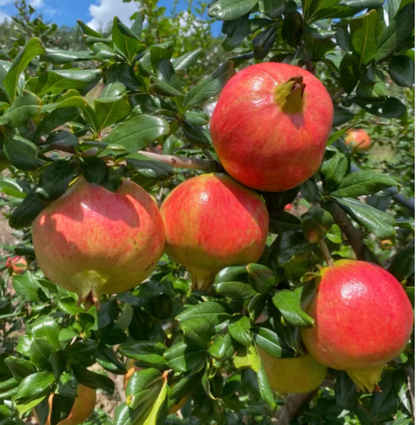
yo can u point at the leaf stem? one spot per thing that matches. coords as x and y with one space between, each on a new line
326 253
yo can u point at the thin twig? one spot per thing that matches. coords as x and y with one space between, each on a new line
292 406
181 161
326 253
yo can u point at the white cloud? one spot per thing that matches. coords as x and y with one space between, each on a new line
36 3
104 12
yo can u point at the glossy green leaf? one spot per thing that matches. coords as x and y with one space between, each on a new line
28 287
93 380
61 408
375 221
334 234
363 36
126 40
182 358
22 153
81 352
24 107
349 72
272 343
341 116
185 61
55 179
402 70
272 8
288 303
34 385
334 170
261 278
211 86
266 392
226 10
213 312
110 110
32 49
197 332
239 330
20 368
289 244
39 353
310 191
247 357
46 328
316 223
59 56
403 264
363 183
138 132
148 353
346 393
94 170
222 347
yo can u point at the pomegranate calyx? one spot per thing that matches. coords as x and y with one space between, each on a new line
289 95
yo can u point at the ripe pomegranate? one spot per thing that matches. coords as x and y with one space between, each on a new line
293 375
212 222
16 264
92 241
270 126
358 140
81 410
363 319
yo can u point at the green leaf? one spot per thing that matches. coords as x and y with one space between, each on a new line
402 70
28 287
46 328
214 313
310 191
391 108
341 115
222 347
126 40
27 211
59 56
31 49
94 170
363 183
261 278
197 332
316 223
247 357
233 282
147 353
343 38
375 221
81 352
103 52
39 353
24 107
55 179
272 8
289 244
34 386
349 72
20 368
399 30
403 264
346 393
363 36
288 303
93 380
264 388
334 234
137 26
211 86
185 61
227 10
272 343
61 408
138 132
110 110
239 330
182 358
22 153
372 87
334 170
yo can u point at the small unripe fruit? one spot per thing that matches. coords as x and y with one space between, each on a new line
271 125
16 265
92 241
293 375
212 222
363 319
288 207
358 140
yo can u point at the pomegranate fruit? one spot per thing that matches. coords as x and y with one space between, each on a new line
270 126
81 410
358 140
16 264
293 375
212 222
92 241
363 319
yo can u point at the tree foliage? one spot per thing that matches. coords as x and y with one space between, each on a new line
116 105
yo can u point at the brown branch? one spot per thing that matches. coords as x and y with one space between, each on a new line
353 235
326 253
181 161
293 403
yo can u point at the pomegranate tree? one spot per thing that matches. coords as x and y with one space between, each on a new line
92 241
363 319
212 222
271 125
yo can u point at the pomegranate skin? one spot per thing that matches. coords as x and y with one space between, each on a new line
212 222
293 375
92 241
363 319
359 140
258 141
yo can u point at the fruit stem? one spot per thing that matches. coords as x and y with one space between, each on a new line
326 253
289 95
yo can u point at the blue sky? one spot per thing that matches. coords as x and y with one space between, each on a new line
93 12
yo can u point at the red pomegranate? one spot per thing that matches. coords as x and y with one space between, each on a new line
358 140
271 125
363 319
212 222
16 264
92 241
